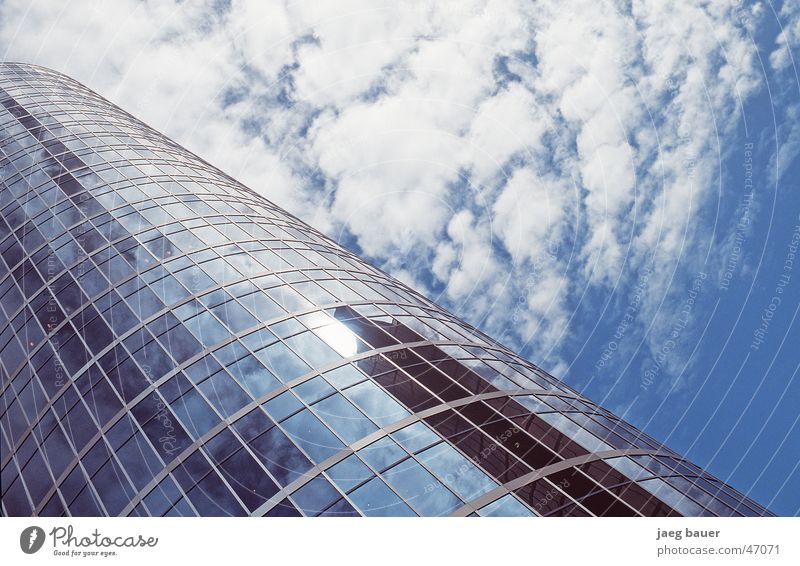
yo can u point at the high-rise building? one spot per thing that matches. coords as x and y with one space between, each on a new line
175 344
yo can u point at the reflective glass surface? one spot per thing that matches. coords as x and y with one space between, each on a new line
175 344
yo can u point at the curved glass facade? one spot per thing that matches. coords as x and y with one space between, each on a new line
174 344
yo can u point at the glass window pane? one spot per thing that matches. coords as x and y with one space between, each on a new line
315 496
235 316
376 403
533 403
349 473
338 337
224 393
312 436
282 406
255 377
341 509
180 343
280 456
212 498
579 435
344 376
347 421
289 299
417 486
252 424
195 414
262 306
248 479
259 339
672 497
375 499
207 329
313 390
416 437
313 350
456 471
629 468
382 453
506 506
282 362
202 369
286 328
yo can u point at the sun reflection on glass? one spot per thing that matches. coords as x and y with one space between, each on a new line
338 337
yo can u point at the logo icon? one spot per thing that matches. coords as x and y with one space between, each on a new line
31 539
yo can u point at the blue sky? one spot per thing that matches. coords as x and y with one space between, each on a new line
608 187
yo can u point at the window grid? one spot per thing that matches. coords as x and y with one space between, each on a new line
177 345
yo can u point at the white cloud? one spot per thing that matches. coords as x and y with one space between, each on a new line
262 33
781 58
454 140
476 264
529 214
354 42
506 124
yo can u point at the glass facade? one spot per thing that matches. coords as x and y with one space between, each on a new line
174 344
